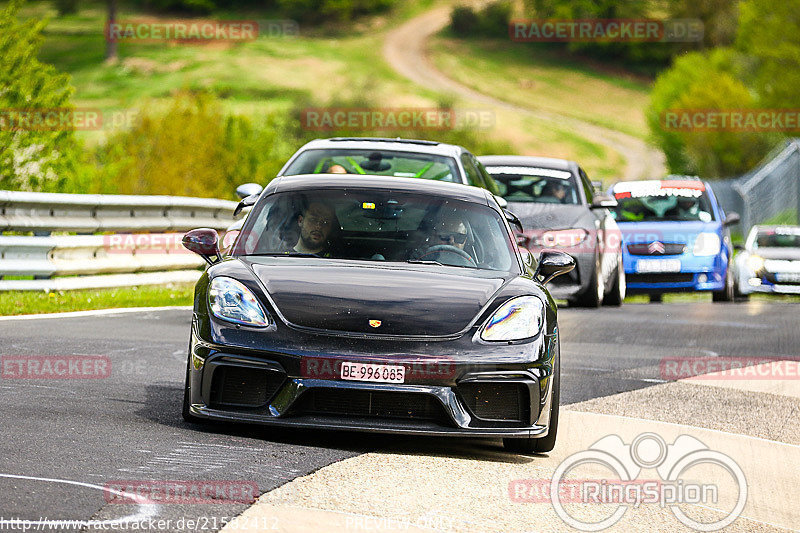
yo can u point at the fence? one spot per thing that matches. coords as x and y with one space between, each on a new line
120 255
769 194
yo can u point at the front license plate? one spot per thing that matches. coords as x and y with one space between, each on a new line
658 265
375 373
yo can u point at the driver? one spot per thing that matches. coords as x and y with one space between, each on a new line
316 223
685 208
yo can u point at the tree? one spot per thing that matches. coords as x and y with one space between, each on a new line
769 32
31 158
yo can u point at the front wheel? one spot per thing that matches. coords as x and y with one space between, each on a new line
618 288
727 292
187 393
543 444
593 295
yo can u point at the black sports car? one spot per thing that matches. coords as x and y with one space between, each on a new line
559 208
377 304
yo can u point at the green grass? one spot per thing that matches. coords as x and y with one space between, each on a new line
321 64
538 78
32 302
788 217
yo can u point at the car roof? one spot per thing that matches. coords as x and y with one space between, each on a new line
456 191
381 143
528 161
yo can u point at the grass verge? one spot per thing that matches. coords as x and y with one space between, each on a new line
539 79
14 303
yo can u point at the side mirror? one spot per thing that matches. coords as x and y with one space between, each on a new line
248 189
731 219
603 202
246 202
513 220
597 185
204 242
552 264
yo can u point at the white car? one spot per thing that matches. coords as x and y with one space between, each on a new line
769 261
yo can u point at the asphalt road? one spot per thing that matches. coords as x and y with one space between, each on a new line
56 433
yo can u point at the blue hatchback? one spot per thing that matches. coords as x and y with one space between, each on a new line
675 238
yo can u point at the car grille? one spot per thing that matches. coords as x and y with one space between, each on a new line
496 401
670 248
660 278
238 386
382 404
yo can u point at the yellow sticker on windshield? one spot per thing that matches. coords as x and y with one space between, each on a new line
368 205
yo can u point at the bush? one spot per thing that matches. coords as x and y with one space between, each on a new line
66 7
700 81
491 21
190 148
463 21
31 159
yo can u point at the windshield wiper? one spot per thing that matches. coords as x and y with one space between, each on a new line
283 254
424 262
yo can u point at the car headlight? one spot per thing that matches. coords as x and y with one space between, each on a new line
230 300
518 318
707 244
755 262
565 238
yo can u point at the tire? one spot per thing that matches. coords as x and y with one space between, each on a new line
616 295
592 297
543 444
187 415
727 293
656 297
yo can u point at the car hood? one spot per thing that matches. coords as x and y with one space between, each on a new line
409 301
792 254
551 216
681 232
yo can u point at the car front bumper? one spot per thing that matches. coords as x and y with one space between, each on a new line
695 274
497 392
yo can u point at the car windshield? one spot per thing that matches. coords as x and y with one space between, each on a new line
378 225
778 238
662 201
375 162
531 184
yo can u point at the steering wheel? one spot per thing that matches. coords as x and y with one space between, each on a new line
446 248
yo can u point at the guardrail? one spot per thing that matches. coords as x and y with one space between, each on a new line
122 255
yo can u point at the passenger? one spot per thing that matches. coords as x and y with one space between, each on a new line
337 169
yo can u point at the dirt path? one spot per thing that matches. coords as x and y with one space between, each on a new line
406 51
